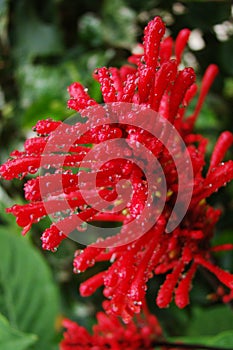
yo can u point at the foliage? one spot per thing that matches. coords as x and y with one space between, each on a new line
28 295
10 338
44 47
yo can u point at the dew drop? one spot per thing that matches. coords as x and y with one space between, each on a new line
78 252
115 308
76 270
32 169
113 257
82 227
91 262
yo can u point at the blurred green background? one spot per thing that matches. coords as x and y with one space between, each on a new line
44 47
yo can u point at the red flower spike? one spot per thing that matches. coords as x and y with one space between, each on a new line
153 34
79 97
165 293
110 333
126 70
103 76
76 337
51 238
152 79
137 288
217 178
207 81
180 43
45 127
85 258
166 49
223 276
128 90
118 81
93 283
32 187
182 83
219 248
35 145
224 142
164 77
145 83
191 92
182 291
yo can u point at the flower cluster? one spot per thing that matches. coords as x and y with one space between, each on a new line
154 79
110 333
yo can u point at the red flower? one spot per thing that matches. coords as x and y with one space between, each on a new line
152 79
110 333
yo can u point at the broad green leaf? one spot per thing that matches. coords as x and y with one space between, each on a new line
28 296
210 321
198 340
11 339
223 340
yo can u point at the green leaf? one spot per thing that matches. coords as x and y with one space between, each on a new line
223 340
198 340
210 321
11 339
28 297
32 35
